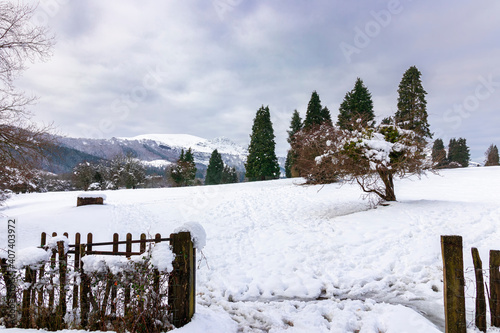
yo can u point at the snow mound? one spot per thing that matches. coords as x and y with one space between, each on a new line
162 257
31 256
198 234
92 195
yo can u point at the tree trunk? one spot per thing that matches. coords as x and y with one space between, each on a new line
387 179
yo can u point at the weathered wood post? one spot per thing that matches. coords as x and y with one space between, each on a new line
480 316
454 295
52 267
26 305
10 320
77 269
181 285
63 266
85 284
495 288
128 249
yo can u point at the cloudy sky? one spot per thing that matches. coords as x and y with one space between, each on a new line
121 68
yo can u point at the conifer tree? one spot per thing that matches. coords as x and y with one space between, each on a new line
295 126
184 172
357 104
262 162
492 157
229 175
215 169
314 115
458 153
412 106
325 116
439 154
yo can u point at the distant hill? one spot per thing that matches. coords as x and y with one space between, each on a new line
153 149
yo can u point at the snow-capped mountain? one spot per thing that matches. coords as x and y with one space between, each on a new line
153 149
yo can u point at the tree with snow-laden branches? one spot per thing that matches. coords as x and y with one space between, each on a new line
371 157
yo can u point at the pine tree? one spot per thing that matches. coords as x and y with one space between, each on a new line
190 168
412 106
215 169
262 162
295 126
325 116
492 157
439 154
458 153
357 104
314 114
184 172
229 175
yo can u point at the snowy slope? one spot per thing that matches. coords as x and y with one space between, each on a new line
282 257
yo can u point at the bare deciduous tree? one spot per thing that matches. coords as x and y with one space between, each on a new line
21 141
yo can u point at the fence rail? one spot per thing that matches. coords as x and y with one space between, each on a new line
62 292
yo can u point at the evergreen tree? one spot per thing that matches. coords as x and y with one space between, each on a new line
314 115
325 116
215 169
290 158
295 126
439 154
184 172
229 175
262 162
189 168
492 157
357 104
412 106
458 153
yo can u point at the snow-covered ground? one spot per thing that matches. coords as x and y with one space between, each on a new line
282 257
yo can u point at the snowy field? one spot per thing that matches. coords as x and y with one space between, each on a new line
281 257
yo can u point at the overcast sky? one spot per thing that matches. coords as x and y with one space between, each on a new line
121 68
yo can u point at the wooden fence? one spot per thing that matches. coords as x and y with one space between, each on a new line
454 287
108 297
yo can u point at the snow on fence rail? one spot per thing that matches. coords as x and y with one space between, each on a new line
455 286
61 285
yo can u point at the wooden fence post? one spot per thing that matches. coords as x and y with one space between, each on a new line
495 288
181 286
77 269
26 305
454 295
480 316
10 286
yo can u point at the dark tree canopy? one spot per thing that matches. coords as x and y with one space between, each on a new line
262 162
215 169
314 114
295 126
491 155
412 106
439 154
458 153
357 104
184 172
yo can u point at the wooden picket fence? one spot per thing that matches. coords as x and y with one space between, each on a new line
74 295
454 287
